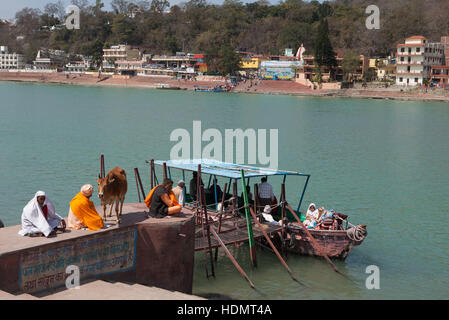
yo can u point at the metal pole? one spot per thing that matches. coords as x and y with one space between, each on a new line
152 172
140 183
256 200
102 169
137 184
274 248
252 247
164 166
203 204
222 209
303 191
232 258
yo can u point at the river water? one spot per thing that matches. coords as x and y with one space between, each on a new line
384 163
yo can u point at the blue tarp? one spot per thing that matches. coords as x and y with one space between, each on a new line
224 169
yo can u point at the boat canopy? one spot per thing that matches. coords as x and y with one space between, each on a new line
229 170
225 169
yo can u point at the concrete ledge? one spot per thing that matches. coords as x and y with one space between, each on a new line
153 252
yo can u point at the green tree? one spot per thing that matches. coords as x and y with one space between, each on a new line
351 61
223 60
324 53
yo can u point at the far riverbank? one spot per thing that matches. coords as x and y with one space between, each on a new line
262 87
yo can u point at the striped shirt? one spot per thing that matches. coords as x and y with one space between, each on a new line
266 191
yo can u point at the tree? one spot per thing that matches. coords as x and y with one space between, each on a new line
223 60
324 53
56 9
159 6
351 61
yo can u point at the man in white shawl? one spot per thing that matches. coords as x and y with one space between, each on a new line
39 216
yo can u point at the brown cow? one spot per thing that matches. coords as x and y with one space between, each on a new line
112 188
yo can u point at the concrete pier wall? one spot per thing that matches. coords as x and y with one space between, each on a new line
148 251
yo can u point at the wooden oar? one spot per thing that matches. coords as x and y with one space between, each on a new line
313 241
274 247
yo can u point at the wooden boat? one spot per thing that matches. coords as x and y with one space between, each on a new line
212 89
166 86
335 243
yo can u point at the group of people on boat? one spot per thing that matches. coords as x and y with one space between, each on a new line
39 217
321 219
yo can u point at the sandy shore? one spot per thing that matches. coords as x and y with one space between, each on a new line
262 87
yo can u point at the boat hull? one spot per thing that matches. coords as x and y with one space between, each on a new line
335 243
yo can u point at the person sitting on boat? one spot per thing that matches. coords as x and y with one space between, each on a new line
39 217
161 200
249 194
266 214
193 186
179 192
82 212
266 195
212 191
312 216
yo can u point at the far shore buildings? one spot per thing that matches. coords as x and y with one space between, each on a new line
49 59
415 59
10 61
119 53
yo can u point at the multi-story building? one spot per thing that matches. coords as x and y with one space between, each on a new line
78 66
445 42
309 68
118 53
10 60
415 58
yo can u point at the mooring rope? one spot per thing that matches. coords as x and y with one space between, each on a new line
357 233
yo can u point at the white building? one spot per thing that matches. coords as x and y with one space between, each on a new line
118 53
415 58
10 60
78 66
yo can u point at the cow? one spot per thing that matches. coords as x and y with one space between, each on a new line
113 188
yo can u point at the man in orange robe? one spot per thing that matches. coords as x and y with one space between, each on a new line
162 201
82 212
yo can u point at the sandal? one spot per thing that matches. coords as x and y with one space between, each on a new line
36 234
61 227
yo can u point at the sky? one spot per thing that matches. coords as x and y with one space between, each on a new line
8 8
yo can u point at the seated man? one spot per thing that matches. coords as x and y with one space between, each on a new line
193 189
161 200
179 192
82 213
266 214
212 191
266 195
39 217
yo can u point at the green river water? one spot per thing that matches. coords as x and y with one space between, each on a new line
384 163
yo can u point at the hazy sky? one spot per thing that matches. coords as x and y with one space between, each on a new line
8 8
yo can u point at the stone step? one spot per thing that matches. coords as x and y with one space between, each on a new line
102 290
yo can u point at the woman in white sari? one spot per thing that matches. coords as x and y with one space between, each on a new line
311 216
39 216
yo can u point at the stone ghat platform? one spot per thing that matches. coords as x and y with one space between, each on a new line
141 250
102 290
